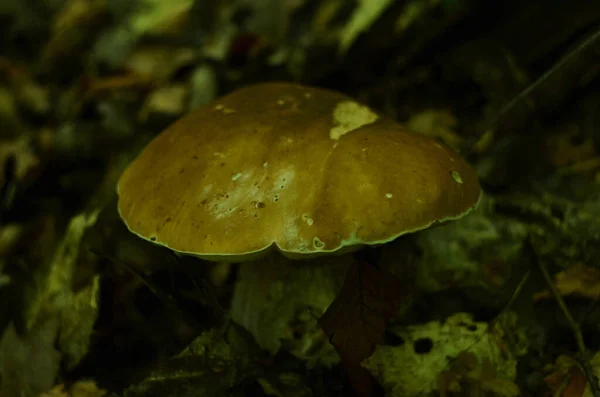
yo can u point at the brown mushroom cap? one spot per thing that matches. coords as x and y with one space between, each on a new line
305 170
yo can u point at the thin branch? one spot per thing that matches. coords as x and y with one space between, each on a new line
583 354
592 39
166 299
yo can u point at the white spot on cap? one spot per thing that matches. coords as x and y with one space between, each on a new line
456 177
348 116
318 243
307 219
221 108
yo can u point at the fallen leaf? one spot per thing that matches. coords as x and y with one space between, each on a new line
213 363
157 64
500 387
356 320
79 389
437 123
29 362
578 280
168 100
567 379
157 17
457 357
567 146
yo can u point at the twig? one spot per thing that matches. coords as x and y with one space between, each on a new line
583 359
515 294
166 299
563 306
511 301
555 68
592 39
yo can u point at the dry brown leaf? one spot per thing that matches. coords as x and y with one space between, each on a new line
469 375
578 280
567 379
356 320
500 387
566 147
79 389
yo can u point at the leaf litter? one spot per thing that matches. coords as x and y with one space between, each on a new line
84 82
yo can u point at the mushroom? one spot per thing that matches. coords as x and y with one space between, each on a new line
302 170
290 169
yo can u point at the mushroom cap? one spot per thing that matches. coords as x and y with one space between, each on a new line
304 170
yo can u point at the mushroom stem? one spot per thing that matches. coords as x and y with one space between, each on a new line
279 301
